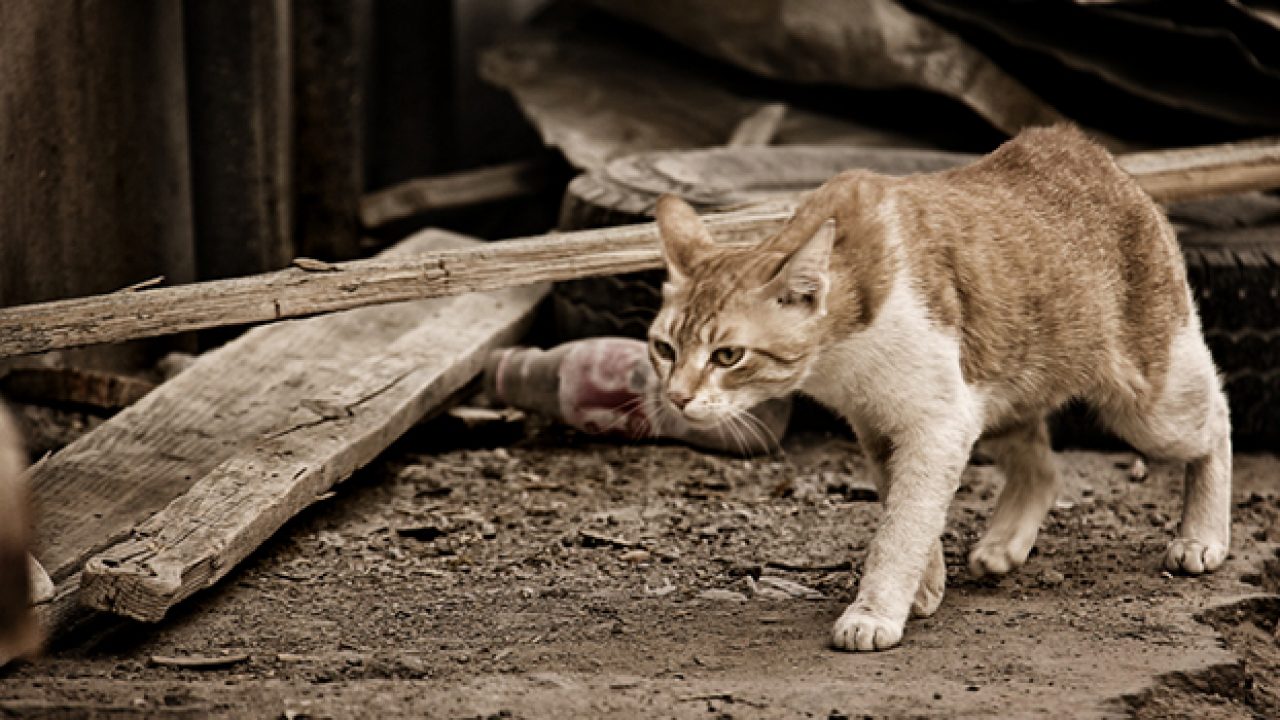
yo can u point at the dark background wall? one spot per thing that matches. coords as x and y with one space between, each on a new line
200 139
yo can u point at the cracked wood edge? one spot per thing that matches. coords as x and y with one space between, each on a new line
95 491
202 535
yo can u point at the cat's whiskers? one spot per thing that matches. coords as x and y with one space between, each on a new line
767 437
733 426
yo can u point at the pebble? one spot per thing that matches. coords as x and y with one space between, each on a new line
788 588
1138 470
635 556
722 596
1052 578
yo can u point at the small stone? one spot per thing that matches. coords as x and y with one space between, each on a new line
1052 578
1138 470
635 556
722 596
661 591
789 588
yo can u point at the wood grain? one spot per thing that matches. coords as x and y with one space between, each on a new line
98 489
1209 171
335 428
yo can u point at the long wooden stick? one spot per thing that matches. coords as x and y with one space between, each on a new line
315 287
1208 171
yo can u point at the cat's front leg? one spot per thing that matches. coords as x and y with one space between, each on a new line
923 476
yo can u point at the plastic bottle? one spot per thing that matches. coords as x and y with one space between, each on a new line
607 386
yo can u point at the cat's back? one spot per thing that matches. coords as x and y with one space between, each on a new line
1045 253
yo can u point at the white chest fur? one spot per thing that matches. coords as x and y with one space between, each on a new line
901 372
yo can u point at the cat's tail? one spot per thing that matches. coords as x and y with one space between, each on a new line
19 630
825 203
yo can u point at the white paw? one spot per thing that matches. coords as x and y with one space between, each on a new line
860 631
995 558
1194 557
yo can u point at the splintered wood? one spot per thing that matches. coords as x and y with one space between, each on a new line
251 434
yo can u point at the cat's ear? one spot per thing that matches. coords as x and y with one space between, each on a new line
683 235
804 277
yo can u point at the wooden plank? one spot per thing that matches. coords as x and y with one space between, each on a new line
350 420
316 287
324 287
758 128
1207 171
96 490
74 386
241 135
410 92
470 187
94 146
345 423
331 56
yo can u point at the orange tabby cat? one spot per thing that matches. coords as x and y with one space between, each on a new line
934 309
19 634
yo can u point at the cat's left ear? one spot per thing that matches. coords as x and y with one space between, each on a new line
684 237
804 277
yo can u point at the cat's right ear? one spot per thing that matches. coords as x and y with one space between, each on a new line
683 235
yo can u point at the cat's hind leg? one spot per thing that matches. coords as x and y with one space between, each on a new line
878 450
1024 456
1189 421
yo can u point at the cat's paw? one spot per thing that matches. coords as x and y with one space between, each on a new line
995 558
1193 557
858 630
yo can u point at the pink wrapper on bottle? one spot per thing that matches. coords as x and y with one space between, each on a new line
607 386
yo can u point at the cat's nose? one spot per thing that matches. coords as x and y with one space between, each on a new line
678 398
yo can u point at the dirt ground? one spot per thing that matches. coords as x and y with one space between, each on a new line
542 574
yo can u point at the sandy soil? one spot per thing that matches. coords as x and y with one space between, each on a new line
542 574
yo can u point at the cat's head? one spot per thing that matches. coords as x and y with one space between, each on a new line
738 326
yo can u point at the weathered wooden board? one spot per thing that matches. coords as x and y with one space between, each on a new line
241 130
94 154
202 535
331 61
460 189
317 385
711 178
74 386
1210 171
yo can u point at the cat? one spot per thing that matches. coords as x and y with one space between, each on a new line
19 630
935 309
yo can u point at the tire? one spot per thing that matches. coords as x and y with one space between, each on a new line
1237 287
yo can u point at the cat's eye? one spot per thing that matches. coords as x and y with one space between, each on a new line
727 356
663 350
